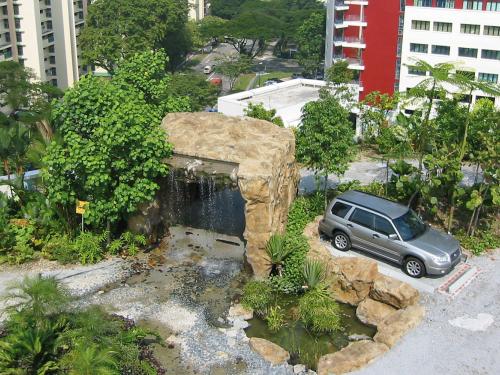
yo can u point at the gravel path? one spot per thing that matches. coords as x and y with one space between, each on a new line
453 338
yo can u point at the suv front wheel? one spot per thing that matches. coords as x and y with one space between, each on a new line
414 267
341 241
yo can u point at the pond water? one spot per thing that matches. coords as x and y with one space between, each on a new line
304 346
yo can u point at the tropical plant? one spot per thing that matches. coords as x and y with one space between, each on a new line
90 359
319 311
277 251
311 41
90 247
258 111
314 274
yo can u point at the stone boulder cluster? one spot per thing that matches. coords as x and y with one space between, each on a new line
383 302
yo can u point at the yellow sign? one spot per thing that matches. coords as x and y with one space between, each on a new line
81 206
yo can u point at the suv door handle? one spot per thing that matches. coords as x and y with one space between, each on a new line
349 225
375 235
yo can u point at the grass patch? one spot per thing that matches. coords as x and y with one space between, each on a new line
243 81
272 75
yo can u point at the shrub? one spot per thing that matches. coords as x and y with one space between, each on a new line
319 311
257 295
89 247
128 244
277 251
60 248
314 273
275 318
480 242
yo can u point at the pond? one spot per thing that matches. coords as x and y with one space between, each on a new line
304 346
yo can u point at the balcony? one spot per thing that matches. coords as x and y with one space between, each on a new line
350 20
349 42
340 5
354 63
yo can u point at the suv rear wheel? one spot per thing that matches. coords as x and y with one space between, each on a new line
414 267
341 241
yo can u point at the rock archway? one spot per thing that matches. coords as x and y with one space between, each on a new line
256 153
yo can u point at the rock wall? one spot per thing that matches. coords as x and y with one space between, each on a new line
267 173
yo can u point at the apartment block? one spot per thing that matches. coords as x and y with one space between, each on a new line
42 35
380 38
198 9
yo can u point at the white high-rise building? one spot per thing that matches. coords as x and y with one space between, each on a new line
42 35
197 9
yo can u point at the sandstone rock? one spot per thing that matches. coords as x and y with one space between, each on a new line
264 156
355 278
391 329
352 357
240 311
373 312
270 351
394 292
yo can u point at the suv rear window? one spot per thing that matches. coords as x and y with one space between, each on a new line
340 209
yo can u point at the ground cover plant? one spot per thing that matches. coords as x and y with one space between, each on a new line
45 334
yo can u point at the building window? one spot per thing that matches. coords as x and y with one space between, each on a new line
48 13
7 37
473 5
443 26
493 6
5 11
16 9
445 3
20 50
420 48
467 52
17 23
8 53
51 49
488 77
440 50
51 38
47 2
420 25
6 23
466 28
492 30
53 82
416 72
423 3
52 59
490 54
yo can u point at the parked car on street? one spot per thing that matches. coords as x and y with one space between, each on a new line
391 231
207 69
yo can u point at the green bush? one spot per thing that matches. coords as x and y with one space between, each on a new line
275 318
127 244
90 247
257 295
319 311
60 248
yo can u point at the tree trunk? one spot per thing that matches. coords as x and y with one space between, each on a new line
326 189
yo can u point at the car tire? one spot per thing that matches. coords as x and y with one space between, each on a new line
341 241
414 267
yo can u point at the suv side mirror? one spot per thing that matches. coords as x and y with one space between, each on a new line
393 237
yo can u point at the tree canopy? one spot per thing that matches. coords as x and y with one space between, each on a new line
117 29
112 148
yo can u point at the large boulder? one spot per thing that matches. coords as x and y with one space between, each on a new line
394 292
263 156
354 279
352 357
238 311
270 351
396 325
373 312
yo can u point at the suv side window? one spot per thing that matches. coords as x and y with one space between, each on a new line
340 209
383 226
363 218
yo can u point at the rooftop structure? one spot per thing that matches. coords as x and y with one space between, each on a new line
287 98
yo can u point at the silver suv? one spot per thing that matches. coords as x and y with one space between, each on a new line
389 230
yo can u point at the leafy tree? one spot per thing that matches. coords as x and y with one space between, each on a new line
112 148
232 67
196 88
225 8
375 109
258 111
117 29
311 41
325 140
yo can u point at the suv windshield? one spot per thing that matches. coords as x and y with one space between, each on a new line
409 225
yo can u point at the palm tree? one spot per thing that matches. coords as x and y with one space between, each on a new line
277 252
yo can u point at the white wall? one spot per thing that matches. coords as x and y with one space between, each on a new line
454 40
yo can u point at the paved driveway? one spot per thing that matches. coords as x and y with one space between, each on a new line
459 336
